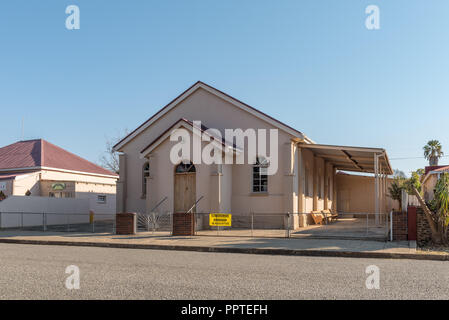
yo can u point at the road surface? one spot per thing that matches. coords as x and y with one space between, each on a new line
38 272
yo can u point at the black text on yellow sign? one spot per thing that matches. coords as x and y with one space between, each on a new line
220 219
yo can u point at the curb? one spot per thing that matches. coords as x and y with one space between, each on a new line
284 252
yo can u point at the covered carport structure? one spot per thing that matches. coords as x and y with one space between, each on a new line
360 160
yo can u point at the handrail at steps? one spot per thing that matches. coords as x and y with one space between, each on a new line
158 204
194 205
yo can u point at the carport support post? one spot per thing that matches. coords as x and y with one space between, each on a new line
326 186
315 183
384 195
376 187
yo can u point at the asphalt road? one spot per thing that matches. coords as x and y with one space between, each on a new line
38 272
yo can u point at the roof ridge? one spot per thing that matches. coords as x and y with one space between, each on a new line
39 153
28 140
204 85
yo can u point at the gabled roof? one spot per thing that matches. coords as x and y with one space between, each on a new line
221 95
41 154
435 168
430 170
188 125
441 169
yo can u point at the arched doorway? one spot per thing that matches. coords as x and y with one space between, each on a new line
185 187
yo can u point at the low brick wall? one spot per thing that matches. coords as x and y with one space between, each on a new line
183 224
125 223
399 226
424 235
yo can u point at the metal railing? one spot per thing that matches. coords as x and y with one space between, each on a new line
58 222
155 221
296 225
149 221
368 226
250 224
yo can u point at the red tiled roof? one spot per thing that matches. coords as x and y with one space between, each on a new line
435 168
443 168
41 153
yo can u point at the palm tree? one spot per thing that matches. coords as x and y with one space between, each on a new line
395 191
433 152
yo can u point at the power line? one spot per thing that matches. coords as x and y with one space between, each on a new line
414 158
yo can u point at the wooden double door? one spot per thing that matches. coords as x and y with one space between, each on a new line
185 191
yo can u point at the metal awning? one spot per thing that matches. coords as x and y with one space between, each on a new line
357 159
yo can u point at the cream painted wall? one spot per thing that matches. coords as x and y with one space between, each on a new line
91 191
428 187
86 187
67 176
83 186
73 210
320 187
309 164
214 113
356 194
22 184
226 189
161 183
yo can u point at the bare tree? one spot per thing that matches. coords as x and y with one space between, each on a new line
110 158
399 174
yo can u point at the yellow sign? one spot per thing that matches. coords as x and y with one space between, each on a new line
220 219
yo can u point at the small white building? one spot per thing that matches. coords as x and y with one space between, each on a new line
37 168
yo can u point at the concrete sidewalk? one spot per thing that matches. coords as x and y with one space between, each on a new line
161 241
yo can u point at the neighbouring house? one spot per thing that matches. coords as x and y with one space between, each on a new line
305 181
430 178
37 168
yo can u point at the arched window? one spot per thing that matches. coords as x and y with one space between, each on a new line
260 177
185 168
145 175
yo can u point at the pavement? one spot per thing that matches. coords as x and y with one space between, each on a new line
272 246
39 272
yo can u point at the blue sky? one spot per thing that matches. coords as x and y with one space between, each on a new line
311 64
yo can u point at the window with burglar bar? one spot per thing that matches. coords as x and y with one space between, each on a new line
260 177
145 175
